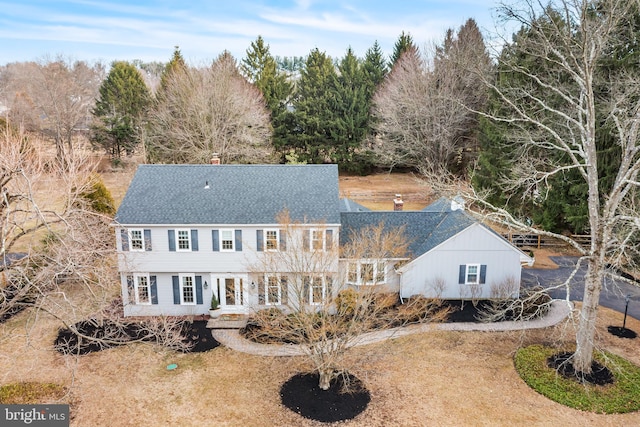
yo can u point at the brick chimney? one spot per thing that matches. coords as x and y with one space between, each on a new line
215 159
397 203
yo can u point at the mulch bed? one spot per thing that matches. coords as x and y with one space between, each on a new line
563 364
302 395
622 332
196 337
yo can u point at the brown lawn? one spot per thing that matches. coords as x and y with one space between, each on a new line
434 378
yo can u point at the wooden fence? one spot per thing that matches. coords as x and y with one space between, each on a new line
538 241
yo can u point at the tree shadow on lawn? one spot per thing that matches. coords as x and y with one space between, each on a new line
98 336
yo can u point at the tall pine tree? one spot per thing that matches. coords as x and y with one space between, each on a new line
261 69
350 113
310 130
120 109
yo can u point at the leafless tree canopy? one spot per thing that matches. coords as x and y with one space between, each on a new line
56 255
424 111
324 312
54 97
207 110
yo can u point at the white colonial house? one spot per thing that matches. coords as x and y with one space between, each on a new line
186 233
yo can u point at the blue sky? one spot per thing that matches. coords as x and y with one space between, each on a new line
148 30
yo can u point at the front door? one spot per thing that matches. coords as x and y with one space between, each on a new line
233 292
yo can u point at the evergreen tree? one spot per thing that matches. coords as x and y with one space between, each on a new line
120 109
403 44
176 64
351 113
310 129
374 68
261 69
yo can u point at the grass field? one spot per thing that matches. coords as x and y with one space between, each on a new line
434 378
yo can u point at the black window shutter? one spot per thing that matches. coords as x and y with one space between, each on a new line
176 289
284 290
463 273
283 240
329 239
215 237
131 290
147 240
306 288
259 240
238 240
194 240
172 240
199 290
154 289
124 236
306 238
261 291
483 274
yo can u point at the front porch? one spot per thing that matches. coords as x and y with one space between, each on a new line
228 320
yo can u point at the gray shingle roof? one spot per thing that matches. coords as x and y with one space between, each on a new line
237 194
348 205
424 230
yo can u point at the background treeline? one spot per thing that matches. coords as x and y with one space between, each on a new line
420 109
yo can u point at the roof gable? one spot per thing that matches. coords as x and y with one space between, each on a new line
230 194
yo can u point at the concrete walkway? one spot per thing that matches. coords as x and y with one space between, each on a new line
231 338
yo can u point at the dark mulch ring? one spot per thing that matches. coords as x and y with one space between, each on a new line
341 402
108 334
622 332
562 363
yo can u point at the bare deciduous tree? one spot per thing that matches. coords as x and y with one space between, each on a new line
54 97
207 110
425 110
574 37
56 254
328 307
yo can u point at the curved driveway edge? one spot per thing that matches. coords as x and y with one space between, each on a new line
232 339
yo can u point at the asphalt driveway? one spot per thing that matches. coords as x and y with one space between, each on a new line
613 291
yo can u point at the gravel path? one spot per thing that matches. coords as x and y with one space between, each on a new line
231 338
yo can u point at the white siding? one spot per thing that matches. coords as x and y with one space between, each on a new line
211 265
474 245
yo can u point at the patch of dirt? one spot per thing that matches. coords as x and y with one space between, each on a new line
377 191
563 364
345 399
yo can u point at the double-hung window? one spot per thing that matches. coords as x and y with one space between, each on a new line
271 240
273 291
227 240
184 240
187 289
317 240
136 239
472 276
142 289
316 289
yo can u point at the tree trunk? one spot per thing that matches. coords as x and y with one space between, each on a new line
326 375
583 357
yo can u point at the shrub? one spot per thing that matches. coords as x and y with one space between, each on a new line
346 302
98 197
